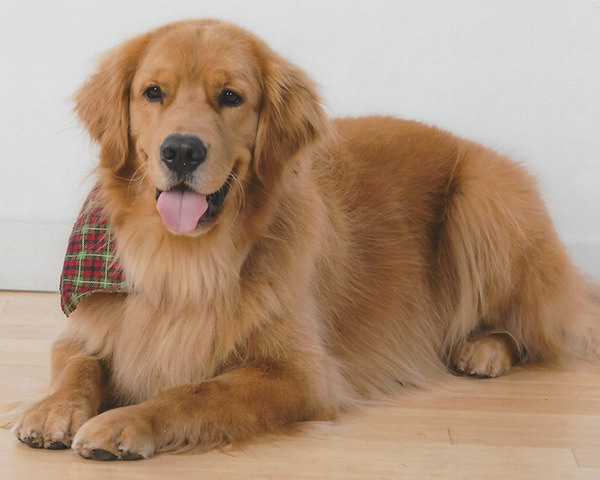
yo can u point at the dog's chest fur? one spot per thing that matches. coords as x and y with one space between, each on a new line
154 352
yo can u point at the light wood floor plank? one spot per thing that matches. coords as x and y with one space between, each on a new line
588 457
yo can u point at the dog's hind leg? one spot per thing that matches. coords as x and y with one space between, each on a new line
505 282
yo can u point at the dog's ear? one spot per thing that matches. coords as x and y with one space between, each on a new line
102 103
291 117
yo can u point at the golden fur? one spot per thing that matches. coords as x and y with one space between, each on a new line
350 258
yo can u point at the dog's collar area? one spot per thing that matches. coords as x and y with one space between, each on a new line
214 200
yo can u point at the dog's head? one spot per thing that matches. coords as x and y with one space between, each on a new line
196 112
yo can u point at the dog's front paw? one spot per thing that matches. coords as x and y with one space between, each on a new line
53 422
120 434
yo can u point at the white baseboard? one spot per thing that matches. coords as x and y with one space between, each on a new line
32 255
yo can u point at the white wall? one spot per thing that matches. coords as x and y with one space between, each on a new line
521 76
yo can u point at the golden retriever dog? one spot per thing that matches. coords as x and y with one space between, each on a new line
281 266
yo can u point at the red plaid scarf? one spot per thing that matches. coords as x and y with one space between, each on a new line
90 265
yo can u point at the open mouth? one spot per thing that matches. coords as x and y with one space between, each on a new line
182 209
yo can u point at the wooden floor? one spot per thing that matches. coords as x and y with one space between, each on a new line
525 425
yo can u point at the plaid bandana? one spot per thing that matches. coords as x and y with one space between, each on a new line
90 265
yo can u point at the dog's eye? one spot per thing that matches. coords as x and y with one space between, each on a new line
229 98
153 94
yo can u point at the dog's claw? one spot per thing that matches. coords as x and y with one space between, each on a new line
103 455
57 446
131 456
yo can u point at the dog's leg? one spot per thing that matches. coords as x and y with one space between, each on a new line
75 398
486 355
231 408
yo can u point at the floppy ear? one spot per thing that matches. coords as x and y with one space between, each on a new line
291 117
102 103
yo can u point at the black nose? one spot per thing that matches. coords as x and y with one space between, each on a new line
182 153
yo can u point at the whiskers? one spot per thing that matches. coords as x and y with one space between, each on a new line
240 200
136 179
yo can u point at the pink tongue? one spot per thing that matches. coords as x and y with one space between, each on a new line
181 210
